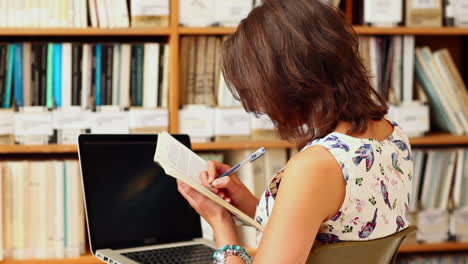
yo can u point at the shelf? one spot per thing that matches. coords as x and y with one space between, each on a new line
240 145
86 259
38 149
431 140
442 247
206 30
419 248
362 30
439 139
429 31
84 32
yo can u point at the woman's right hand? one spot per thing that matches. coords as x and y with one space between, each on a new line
229 188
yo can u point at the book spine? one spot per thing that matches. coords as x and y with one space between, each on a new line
34 75
44 74
86 75
27 71
9 76
57 64
58 210
75 74
3 63
104 75
139 75
50 76
109 73
116 75
125 66
18 75
97 74
160 80
66 61
133 77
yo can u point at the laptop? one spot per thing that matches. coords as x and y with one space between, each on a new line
134 212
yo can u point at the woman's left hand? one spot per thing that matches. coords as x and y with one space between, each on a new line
213 213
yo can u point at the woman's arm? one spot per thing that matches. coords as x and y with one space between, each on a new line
312 190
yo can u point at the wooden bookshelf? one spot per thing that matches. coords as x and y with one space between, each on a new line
86 259
428 31
405 249
436 37
431 140
440 247
83 32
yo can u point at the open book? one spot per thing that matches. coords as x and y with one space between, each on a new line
183 164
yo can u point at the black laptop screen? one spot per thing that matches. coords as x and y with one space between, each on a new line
130 201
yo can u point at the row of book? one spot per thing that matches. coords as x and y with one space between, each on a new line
228 13
416 13
42 210
38 125
444 88
84 13
256 176
441 259
402 74
440 201
85 74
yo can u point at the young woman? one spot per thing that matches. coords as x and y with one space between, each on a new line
297 61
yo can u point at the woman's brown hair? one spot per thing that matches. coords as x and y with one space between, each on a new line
297 61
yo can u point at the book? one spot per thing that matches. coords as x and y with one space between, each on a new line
7 94
150 13
423 13
18 76
385 13
57 75
186 167
443 117
151 75
50 76
98 74
125 62
66 71
27 71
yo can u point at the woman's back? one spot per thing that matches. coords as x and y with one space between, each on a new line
378 178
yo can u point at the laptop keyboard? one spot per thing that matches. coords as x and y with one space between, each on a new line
194 254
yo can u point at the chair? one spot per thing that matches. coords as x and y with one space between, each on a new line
378 251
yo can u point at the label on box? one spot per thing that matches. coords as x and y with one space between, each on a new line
7 122
425 4
33 124
197 121
109 123
459 222
150 8
433 225
263 122
413 118
71 119
232 122
140 118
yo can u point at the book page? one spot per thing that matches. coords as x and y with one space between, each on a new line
181 163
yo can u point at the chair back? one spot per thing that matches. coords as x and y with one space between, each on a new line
381 251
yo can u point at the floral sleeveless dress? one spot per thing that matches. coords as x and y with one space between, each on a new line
378 177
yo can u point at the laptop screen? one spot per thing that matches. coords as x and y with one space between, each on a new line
130 201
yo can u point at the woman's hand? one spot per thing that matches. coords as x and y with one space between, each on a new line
230 188
219 218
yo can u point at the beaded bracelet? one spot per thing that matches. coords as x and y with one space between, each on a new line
221 254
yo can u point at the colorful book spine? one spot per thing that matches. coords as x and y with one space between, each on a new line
50 76
9 77
57 87
97 74
139 75
18 75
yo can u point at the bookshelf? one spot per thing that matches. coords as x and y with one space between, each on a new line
435 37
404 249
431 140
